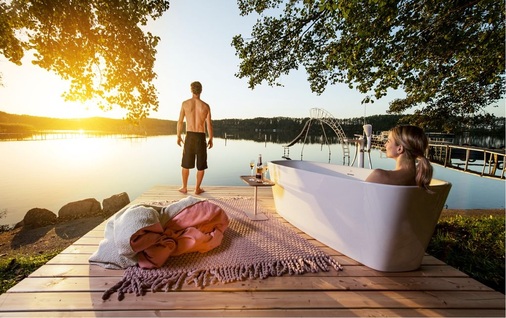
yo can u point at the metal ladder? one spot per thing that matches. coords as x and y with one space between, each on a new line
327 118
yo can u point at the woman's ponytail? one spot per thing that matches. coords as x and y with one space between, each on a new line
423 173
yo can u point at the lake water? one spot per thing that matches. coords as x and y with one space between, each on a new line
50 173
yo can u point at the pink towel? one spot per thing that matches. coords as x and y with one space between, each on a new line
197 228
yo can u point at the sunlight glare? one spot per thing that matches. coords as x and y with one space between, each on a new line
81 151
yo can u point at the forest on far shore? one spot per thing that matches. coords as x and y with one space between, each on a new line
290 127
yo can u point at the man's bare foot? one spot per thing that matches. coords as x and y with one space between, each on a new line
199 191
183 190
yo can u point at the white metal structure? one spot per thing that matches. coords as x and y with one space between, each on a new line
322 117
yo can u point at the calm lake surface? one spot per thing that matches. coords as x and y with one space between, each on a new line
50 173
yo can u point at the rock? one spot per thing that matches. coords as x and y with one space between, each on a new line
115 203
79 209
38 217
19 224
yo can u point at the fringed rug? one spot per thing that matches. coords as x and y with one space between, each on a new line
249 250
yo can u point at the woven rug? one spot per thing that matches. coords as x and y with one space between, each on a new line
249 250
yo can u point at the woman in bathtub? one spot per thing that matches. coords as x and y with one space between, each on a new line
405 144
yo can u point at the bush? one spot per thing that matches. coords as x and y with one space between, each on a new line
473 245
14 269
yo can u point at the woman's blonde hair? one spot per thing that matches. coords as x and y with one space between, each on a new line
415 144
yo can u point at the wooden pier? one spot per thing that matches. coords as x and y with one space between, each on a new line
68 286
65 134
483 162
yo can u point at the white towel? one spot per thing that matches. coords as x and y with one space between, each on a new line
114 251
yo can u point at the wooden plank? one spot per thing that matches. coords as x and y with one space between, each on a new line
86 240
84 270
75 271
80 249
96 232
240 300
288 283
69 259
279 312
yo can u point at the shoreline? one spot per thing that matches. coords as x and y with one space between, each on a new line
444 213
472 212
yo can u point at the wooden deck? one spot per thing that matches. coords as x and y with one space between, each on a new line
68 286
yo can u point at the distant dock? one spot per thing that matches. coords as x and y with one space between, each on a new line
66 134
474 160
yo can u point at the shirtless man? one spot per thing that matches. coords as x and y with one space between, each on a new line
198 116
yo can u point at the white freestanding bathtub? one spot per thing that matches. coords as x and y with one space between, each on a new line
385 227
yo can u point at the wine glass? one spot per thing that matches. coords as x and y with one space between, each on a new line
251 166
266 168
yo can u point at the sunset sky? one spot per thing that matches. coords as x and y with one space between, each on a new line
196 45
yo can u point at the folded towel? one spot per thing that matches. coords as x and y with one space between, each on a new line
147 235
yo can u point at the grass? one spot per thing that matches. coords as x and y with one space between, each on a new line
473 245
14 269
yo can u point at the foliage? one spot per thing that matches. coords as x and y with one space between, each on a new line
10 46
281 129
447 56
14 269
98 46
474 245
147 126
15 128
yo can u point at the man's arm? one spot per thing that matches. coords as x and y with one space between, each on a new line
180 126
209 125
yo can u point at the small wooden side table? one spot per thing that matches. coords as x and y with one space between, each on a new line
251 181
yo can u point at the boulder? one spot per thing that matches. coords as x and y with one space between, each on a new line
115 203
80 209
38 217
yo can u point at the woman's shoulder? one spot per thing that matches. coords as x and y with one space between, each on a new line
393 177
378 176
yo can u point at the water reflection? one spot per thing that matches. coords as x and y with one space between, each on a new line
50 173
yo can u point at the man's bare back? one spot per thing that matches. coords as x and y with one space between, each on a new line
198 116
196 112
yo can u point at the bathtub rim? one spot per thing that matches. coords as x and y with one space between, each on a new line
435 182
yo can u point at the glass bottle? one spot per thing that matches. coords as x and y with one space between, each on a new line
260 169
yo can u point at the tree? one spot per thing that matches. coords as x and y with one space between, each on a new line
98 46
447 56
10 46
